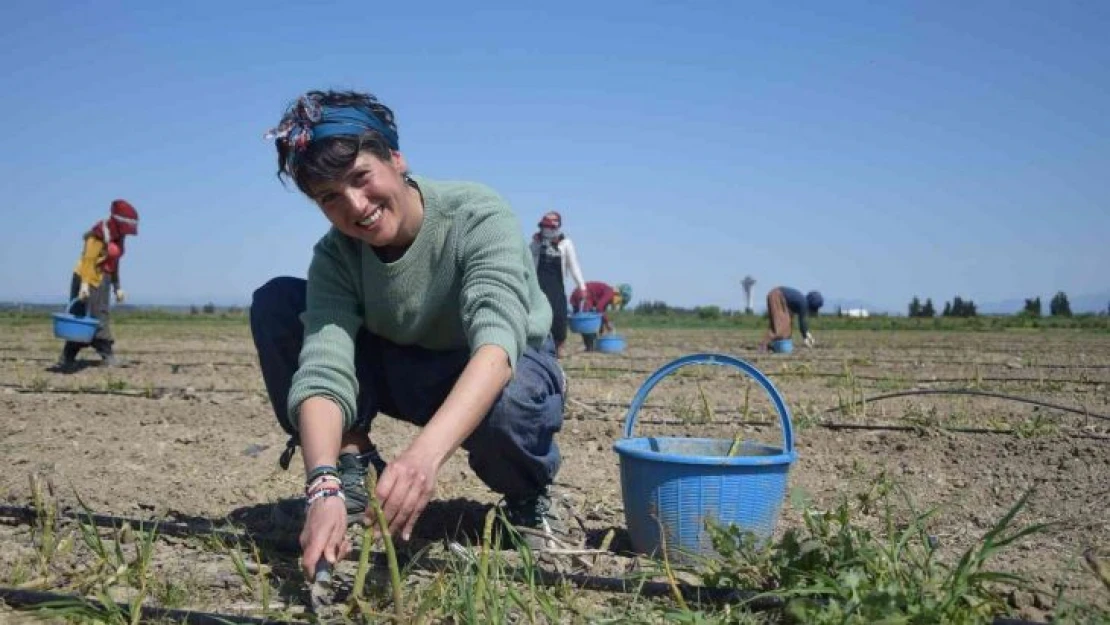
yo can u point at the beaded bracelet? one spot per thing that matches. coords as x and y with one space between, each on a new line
323 493
321 481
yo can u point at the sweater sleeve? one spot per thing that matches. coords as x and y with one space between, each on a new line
495 273
803 323
331 322
572 267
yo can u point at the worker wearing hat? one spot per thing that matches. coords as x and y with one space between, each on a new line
96 278
782 304
555 258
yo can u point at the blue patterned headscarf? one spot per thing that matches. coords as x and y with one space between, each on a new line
308 120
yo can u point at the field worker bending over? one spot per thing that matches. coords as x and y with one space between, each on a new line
421 303
624 293
598 297
96 279
784 302
554 255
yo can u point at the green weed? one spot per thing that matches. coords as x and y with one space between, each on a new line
833 570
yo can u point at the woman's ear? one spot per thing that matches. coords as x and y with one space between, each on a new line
397 160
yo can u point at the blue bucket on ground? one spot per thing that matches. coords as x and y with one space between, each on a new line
611 344
782 346
585 322
673 486
73 328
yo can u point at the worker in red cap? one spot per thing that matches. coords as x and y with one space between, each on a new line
96 278
554 255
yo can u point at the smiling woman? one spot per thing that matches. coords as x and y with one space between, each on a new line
421 303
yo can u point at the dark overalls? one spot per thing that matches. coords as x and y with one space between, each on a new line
549 273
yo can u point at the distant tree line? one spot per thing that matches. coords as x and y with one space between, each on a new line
1058 306
210 309
959 307
917 309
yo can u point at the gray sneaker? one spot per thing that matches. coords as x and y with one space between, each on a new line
540 525
352 474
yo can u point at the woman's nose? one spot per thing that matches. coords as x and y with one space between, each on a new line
355 199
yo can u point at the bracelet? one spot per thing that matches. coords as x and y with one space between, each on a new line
323 493
324 469
322 480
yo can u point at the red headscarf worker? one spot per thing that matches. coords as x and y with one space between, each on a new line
96 277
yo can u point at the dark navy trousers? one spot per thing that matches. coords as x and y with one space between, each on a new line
513 450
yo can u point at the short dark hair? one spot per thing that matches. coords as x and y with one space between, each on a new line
327 159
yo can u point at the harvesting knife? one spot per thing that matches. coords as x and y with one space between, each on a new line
319 592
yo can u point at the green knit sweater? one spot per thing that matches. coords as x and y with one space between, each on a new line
467 280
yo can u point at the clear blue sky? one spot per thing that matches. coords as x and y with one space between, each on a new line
873 150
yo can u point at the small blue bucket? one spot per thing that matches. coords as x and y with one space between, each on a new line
585 322
672 486
782 346
70 327
611 344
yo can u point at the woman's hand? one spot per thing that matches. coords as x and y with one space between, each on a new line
405 489
324 534
410 479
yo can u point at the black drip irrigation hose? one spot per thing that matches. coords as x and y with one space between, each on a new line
978 393
876 427
870 363
699 595
168 527
893 395
865 378
867 427
233 352
136 362
18 598
153 392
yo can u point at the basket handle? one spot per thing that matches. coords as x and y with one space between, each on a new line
73 301
720 360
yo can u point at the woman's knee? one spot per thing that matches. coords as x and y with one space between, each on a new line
533 399
280 299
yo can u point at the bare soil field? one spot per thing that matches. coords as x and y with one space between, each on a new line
184 434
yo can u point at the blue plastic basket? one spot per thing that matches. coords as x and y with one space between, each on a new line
585 322
672 486
782 346
73 328
611 344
